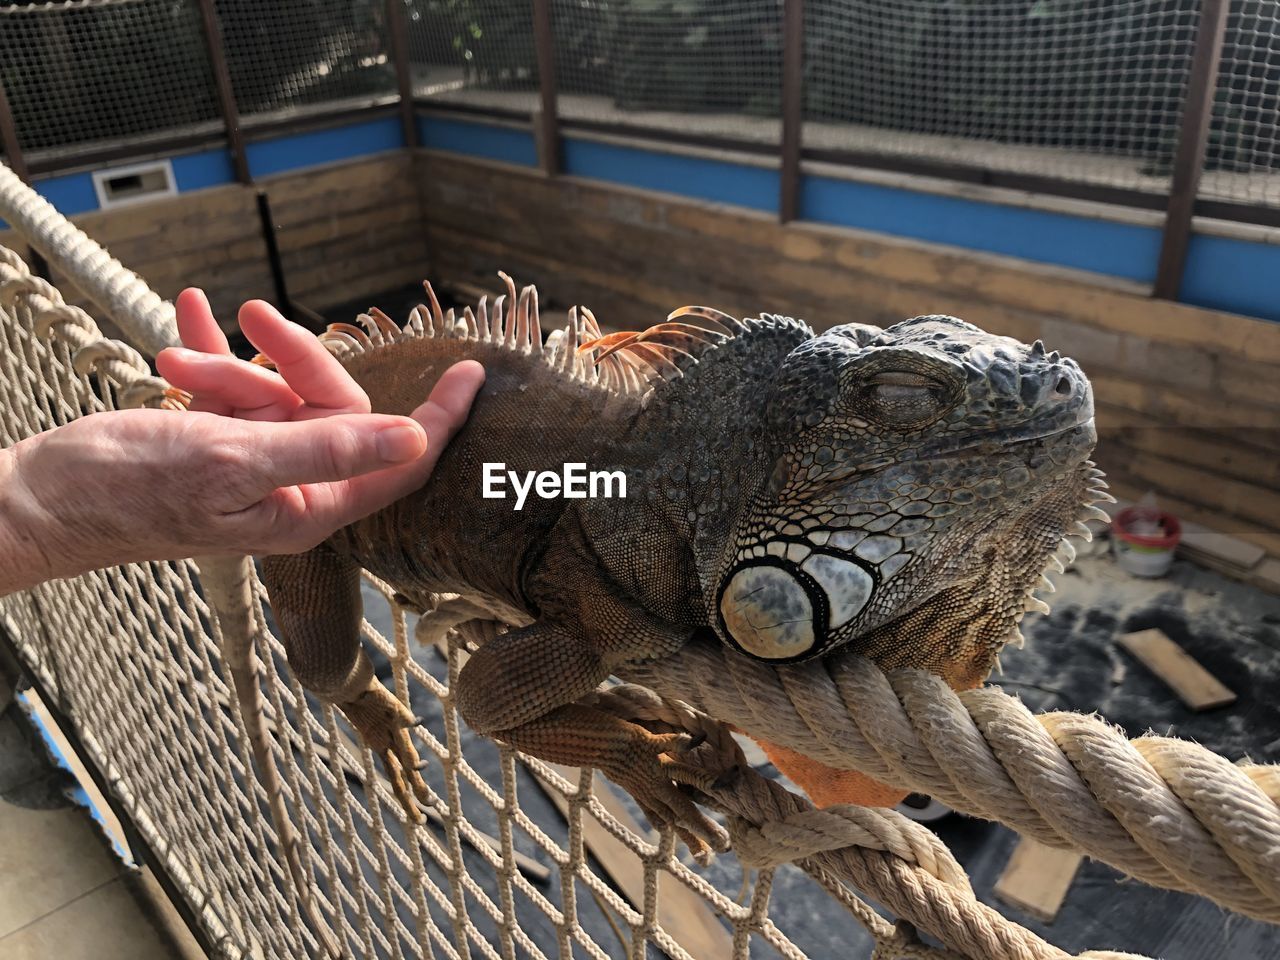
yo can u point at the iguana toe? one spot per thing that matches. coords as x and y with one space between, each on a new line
402 764
654 780
383 723
666 805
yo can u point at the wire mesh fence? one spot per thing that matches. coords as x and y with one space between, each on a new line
1070 92
110 72
715 63
1243 159
293 55
1080 91
476 53
1088 91
86 73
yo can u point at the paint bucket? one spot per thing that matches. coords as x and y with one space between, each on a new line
1145 539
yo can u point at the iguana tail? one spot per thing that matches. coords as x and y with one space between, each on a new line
228 586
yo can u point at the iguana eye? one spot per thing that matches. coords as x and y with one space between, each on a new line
901 393
904 399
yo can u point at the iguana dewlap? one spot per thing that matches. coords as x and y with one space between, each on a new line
892 492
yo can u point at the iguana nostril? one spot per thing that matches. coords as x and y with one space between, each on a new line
1063 387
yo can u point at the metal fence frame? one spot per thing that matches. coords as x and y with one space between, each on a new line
1181 204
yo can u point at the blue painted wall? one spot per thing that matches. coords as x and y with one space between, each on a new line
71 194
479 140
1101 246
195 171
754 187
324 146
1234 275
74 193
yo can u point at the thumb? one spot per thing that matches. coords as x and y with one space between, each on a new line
334 448
447 408
343 446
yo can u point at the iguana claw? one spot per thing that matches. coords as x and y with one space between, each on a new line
695 741
384 723
650 775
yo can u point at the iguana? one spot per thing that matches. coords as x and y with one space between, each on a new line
894 492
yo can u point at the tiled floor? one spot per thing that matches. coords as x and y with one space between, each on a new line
63 892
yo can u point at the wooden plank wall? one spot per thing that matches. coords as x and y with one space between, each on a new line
1188 399
345 231
208 238
350 230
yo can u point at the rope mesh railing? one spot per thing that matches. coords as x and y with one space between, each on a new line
149 663
133 657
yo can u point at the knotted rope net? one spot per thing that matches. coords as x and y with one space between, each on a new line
164 680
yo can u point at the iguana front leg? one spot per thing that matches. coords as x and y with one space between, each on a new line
520 688
316 600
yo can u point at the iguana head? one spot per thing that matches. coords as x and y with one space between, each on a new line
926 463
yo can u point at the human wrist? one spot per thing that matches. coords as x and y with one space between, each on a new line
27 531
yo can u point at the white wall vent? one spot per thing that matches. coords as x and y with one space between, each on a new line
140 181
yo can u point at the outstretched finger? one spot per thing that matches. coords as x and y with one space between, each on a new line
228 386
173 366
311 371
197 325
442 416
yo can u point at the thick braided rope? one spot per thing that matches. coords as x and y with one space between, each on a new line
881 853
144 317
807 830
1166 811
91 351
949 912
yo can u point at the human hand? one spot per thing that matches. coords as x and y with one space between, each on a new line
310 384
265 462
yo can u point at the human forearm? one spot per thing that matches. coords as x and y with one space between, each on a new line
136 485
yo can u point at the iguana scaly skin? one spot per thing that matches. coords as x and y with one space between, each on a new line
896 493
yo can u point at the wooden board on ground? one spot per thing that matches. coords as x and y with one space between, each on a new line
1194 685
1036 878
1219 549
1267 575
